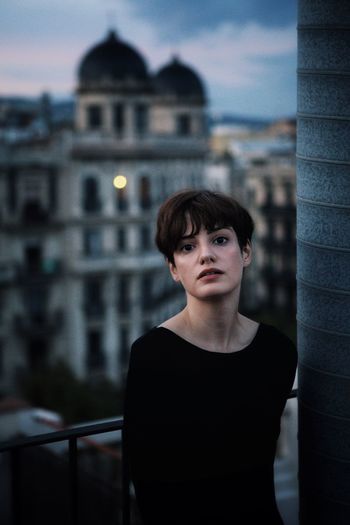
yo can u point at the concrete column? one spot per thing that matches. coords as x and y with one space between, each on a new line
323 261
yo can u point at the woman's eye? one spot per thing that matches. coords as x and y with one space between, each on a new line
220 240
186 247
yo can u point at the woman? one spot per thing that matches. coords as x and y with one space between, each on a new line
206 388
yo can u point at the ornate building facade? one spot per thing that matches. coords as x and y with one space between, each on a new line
79 275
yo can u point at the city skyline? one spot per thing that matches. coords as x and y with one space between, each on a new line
245 54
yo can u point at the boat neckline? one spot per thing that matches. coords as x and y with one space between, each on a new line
246 348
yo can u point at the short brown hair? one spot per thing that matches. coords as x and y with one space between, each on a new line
204 208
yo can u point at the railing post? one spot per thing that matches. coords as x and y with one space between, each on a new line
73 479
15 487
125 485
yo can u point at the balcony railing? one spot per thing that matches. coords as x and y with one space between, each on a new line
71 435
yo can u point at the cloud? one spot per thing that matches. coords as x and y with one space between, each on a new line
227 55
235 56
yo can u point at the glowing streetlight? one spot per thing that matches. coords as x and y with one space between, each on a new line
120 182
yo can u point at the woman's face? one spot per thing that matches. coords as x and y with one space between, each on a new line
210 264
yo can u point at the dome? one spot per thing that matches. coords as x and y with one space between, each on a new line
111 61
178 79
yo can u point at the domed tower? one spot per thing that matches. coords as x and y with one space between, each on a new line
114 89
180 101
139 137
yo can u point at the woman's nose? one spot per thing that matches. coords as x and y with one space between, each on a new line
207 255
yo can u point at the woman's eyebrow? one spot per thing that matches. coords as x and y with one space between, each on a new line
219 228
189 236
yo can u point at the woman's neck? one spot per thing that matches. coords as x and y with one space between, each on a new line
216 326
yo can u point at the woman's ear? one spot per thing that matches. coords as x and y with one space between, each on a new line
173 271
247 254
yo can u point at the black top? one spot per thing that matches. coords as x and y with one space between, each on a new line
194 414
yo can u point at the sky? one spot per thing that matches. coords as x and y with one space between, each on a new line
244 50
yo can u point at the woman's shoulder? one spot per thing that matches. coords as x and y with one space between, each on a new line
153 341
274 332
157 334
147 338
277 340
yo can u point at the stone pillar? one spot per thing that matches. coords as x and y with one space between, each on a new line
129 123
111 330
323 261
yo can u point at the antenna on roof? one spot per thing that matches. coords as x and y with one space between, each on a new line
111 16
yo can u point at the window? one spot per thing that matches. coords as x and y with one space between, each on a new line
145 193
33 188
121 239
37 352
289 230
93 242
53 190
95 355
183 125
145 237
33 212
36 303
141 119
122 199
289 194
163 188
269 195
33 258
124 294
93 297
146 291
94 116
91 199
124 346
11 190
119 118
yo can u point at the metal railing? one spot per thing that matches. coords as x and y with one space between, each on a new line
70 435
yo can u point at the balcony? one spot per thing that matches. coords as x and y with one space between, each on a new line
31 215
42 271
92 146
72 492
114 261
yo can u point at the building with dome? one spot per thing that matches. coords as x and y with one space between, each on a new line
79 275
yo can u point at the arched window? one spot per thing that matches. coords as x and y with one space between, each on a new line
94 116
91 197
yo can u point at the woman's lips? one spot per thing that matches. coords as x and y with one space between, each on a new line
210 272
